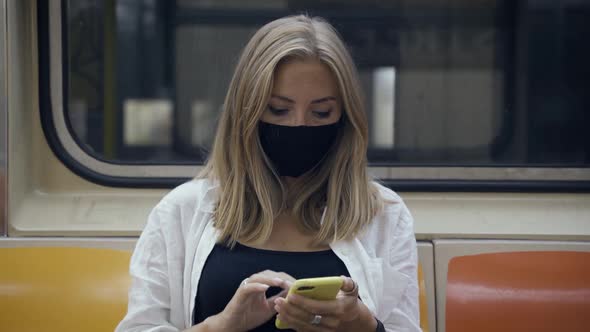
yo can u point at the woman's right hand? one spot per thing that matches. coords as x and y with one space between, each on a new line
249 306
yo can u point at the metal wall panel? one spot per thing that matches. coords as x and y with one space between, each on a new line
3 123
89 242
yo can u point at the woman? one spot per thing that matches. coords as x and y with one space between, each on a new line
285 195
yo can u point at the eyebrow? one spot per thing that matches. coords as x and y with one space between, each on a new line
315 101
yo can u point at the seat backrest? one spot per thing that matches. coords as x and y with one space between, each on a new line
77 289
63 289
423 302
519 291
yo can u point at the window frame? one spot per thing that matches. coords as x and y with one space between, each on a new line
52 40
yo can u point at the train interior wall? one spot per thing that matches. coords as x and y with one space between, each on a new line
48 205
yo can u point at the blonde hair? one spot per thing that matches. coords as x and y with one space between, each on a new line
251 193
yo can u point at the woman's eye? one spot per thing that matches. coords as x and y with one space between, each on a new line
322 114
277 111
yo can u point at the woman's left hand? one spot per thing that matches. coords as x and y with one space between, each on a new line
346 312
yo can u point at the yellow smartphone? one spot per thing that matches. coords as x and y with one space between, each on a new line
322 289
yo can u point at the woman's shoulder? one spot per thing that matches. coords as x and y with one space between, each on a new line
187 198
391 231
390 200
189 192
174 215
393 212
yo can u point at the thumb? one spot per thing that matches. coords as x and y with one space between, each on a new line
348 285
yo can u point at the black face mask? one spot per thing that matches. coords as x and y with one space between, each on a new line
296 150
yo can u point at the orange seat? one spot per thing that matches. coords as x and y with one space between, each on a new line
519 291
63 289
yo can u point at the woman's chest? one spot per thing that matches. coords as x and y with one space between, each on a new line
289 234
226 268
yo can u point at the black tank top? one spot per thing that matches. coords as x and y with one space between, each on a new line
226 268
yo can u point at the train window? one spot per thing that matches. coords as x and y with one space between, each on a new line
492 90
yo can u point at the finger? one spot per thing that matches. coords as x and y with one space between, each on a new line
302 316
286 277
253 292
274 274
306 317
292 311
267 280
286 280
282 294
316 307
251 288
348 285
271 300
301 326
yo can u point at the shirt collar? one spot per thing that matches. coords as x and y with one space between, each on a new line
210 197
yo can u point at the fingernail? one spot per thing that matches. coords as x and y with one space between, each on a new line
279 280
277 308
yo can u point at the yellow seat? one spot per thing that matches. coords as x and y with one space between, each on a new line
63 289
423 302
77 289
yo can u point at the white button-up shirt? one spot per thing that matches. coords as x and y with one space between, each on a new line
179 236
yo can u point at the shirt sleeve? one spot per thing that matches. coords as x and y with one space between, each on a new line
149 295
405 316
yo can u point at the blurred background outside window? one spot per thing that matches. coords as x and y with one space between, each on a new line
446 83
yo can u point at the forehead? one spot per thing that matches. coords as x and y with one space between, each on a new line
304 77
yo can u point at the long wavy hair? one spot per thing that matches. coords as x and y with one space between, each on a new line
337 198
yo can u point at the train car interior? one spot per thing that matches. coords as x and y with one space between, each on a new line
479 115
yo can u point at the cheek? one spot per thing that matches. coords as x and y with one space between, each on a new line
265 117
269 118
